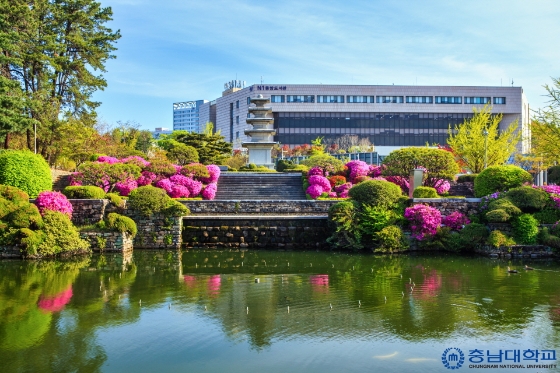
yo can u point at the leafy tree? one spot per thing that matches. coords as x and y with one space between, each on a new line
12 110
439 164
182 154
545 128
211 147
470 145
54 49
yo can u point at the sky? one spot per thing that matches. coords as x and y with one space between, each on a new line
172 50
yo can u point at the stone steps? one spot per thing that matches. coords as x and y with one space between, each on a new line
256 186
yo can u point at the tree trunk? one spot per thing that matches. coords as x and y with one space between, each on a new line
29 141
7 141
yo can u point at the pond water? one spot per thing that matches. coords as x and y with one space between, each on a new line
260 311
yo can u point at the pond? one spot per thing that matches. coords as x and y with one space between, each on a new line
264 311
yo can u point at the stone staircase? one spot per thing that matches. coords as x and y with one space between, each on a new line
61 179
260 186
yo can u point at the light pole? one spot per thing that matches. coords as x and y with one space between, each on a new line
485 134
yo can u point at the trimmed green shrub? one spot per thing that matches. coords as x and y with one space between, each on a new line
26 216
497 216
468 178
500 178
121 223
528 199
525 229
162 168
26 171
547 215
439 163
297 168
58 235
504 204
344 216
376 193
6 207
252 166
425 192
325 161
14 194
148 200
283 164
443 240
374 219
84 192
115 199
195 170
176 209
472 237
390 239
499 239
553 175
548 239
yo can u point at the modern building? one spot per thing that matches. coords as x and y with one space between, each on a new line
186 115
160 131
389 116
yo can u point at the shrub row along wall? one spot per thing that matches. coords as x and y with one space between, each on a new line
274 232
264 207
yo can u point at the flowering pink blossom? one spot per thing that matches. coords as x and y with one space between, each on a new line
313 171
195 187
332 195
166 185
209 192
455 220
75 179
57 302
107 159
177 168
53 201
550 189
400 181
214 174
374 171
146 179
424 220
356 169
322 181
442 186
314 191
134 159
343 189
124 188
179 191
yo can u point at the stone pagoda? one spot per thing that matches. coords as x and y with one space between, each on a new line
260 146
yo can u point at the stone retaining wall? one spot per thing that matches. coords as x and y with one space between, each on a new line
446 206
88 211
264 207
108 241
274 232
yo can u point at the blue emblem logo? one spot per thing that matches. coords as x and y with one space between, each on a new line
453 358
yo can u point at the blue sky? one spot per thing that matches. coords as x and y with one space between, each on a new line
174 50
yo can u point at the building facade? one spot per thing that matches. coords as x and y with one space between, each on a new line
389 116
186 115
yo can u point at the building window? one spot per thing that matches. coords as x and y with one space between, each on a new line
248 101
359 99
390 99
237 119
301 98
248 115
499 100
330 99
277 98
448 100
237 135
237 104
477 100
419 99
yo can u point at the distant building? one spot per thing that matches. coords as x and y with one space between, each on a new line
186 115
161 131
391 117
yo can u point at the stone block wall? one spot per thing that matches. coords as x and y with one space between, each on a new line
264 207
108 241
157 231
446 206
273 232
88 211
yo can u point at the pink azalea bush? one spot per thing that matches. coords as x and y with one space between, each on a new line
209 192
179 191
315 171
146 178
342 190
134 159
356 169
322 181
53 201
314 191
456 221
214 174
124 188
107 159
374 171
424 220
442 186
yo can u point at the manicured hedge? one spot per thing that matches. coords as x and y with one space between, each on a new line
84 192
26 171
376 193
425 192
500 178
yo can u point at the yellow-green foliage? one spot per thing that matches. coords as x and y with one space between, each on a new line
115 200
425 192
497 216
391 239
84 192
121 223
499 239
26 216
26 171
377 193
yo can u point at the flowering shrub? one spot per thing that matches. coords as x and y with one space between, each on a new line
210 191
106 159
315 171
146 178
357 168
336 180
136 160
456 221
53 201
342 190
179 191
165 184
214 172
400 181
360 179
551 189
332 195
322 181
314 191
195 171
124 188
442 186
374 171
424 220
485 201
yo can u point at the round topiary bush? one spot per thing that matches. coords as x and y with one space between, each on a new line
497 216
528 199
26 216
148 200
376 193
84 192
500 178
525 229
13 194
26 171
391 239
121 223
425 192
504 204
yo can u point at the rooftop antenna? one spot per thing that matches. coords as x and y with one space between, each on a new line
512 82
261 79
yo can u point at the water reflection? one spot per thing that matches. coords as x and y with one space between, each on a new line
182 305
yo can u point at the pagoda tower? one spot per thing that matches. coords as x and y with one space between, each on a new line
262 141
